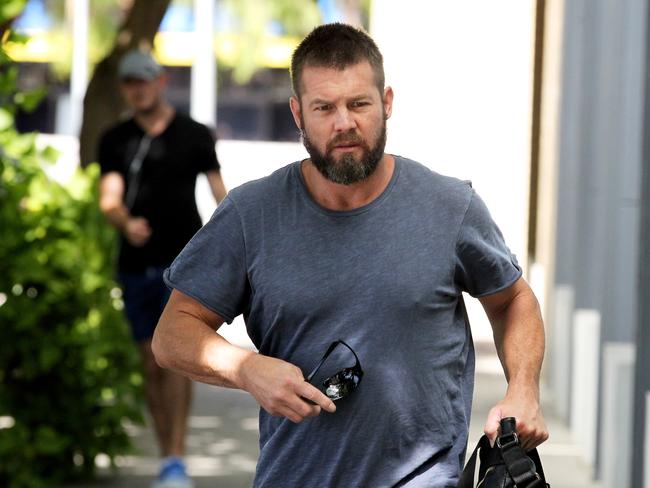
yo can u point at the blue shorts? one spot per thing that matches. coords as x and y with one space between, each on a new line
145 296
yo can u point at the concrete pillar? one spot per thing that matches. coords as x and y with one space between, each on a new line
203 89
618 145
77 15
646 443
568 153
569 143
641 440
617 401
560 342
585 379
598 185
203 86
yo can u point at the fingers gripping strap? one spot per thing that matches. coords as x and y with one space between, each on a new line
521 466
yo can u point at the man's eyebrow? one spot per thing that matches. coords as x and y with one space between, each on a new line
355 98
319 101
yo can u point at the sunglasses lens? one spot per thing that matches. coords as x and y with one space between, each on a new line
341 384
336 392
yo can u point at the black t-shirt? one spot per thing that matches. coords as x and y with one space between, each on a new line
167 180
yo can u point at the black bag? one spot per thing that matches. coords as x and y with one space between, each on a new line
505 465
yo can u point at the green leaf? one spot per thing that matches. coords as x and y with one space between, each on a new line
49 356
4 57
17 37
10 9
28 101
72 370
50 154
6 119
48 441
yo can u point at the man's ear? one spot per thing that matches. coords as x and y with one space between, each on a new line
388 101
294 105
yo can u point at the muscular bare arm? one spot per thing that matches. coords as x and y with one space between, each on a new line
519 338
185 341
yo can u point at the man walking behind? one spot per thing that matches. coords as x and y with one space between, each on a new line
149 166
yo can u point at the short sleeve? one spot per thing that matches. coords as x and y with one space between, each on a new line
212 267
484 264
204 153
107 155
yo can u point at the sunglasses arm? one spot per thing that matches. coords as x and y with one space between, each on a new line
326 355
352 351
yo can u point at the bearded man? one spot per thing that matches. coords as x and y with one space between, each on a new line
349 268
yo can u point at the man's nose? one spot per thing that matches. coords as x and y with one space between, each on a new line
344 120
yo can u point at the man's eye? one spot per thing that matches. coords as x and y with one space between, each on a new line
323 108
359 104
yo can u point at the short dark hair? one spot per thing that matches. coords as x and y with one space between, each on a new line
336 46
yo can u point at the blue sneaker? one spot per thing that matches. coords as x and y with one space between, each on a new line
173 474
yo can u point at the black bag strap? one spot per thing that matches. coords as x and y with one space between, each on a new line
466 479
522 468
134 170
525 469
538 464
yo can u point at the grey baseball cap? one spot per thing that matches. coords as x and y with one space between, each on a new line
139 65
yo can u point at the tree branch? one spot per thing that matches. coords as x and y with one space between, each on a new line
103 104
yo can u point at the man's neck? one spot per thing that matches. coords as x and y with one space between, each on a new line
155 122
336 196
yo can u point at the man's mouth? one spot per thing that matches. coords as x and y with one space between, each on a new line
346 144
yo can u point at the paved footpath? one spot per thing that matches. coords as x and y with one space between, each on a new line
223 448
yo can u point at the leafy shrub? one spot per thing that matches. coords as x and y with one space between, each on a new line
68 369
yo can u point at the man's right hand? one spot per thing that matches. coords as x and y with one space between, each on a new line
137 231
280 388
185 341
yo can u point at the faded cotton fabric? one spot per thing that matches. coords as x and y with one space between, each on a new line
387 279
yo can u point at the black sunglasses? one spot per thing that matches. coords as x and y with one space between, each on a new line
345 381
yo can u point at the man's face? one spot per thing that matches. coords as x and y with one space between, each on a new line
142 96
342 116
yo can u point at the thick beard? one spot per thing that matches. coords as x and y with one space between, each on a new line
347 170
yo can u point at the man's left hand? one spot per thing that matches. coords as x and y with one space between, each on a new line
531 428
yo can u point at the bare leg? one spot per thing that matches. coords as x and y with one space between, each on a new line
168 397
177 394
153 378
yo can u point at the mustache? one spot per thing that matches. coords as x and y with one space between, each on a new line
347 138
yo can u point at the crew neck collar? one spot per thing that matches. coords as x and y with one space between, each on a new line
170 122
345 213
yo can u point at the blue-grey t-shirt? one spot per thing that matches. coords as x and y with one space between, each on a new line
385 278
